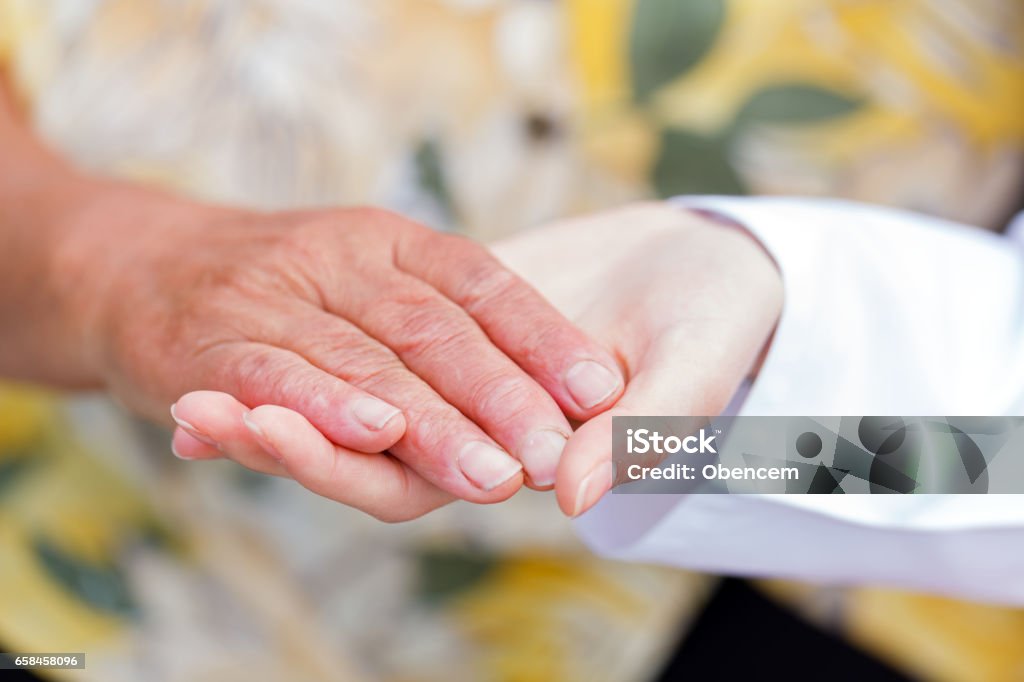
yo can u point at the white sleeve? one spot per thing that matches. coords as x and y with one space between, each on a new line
886 313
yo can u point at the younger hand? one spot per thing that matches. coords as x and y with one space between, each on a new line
687 304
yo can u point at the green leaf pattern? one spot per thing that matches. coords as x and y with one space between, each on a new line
667 40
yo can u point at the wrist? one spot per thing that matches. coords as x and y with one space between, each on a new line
35 343
765 275
109 242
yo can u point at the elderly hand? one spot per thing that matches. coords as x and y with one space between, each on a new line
381 333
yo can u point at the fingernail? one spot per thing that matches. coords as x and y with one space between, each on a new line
193 431
257 431
540 454
487 466
174 451
374 414
592 488
591 383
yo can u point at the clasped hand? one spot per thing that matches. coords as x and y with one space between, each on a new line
393 368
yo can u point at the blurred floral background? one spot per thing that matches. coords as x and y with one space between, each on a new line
481 116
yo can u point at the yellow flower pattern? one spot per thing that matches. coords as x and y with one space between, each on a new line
524 111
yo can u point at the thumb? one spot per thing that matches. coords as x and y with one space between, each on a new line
677 386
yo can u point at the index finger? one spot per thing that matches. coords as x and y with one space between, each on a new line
578 372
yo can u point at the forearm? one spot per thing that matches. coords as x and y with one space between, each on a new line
64 234
67 236
37 190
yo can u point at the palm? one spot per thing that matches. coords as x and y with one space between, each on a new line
684 304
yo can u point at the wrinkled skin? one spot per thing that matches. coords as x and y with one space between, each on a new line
381 333
686 305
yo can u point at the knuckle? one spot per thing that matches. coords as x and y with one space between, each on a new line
486 281
383 224
254 373
432 426
406 299
314 257
378 377
310 244
427 330
541 343
368 363
502 398
262 377
342 352
307 239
